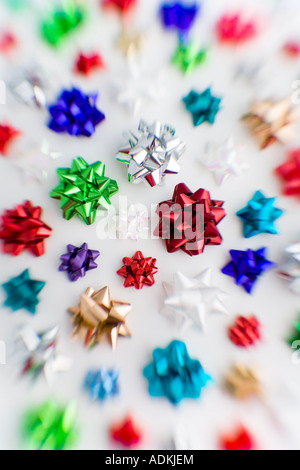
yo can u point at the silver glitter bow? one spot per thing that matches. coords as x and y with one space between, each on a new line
153 154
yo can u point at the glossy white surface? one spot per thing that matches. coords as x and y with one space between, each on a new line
274 422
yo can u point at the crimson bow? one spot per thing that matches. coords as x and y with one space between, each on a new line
189 220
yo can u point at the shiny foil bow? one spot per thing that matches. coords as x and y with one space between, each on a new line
7 135
224 160
174 374
272 121
243 382
246 267
189 220
51 426
122 5
75 113
259 215
86 64
188 56
102 384
98 316
291 269
40 351
138 271
189 300
240 440
289 172
203 106
22 292
245 332
62 21
126 433
84 189
233 29
78 260
29 86
179 16
22 229
295 336
152 155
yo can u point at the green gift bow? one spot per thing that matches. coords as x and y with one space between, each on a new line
51 427
83 189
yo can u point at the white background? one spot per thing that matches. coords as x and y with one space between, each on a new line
274 420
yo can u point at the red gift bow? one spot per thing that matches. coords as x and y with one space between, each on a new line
86 64
127 434
292 49
22 230
241 441
7 134
290 173
123 5
138 271
8 42
245 332
231 28
180 222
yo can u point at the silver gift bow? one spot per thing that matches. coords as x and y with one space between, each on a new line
153 154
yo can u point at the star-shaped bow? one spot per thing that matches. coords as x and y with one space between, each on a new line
245 331
189 220
22 292
102 384
75 113
86 64
40 351
246 266
289 172
240 440
224 160
153 154
291 269
189 300
122 5
179 16
138 271
272 121
203 106
259 215
98 316
174 374
35 160
243 381
83 189
78 260
188 56
22 229
7 135
126 432
130 42
138 88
